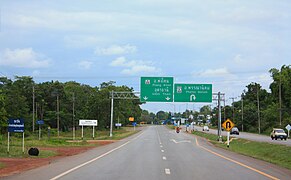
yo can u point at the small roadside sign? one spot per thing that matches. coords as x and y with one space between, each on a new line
118 124
87 122
228 125
288 127
16 125
40 122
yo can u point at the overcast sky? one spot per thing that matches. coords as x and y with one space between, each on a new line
228 43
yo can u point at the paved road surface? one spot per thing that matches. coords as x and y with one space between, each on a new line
157 153
251 136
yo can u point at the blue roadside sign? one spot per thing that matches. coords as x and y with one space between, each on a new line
16 125
39 122
134 123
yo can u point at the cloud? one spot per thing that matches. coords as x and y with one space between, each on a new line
82 41
23 58
215 72
85 64
134 67
116 50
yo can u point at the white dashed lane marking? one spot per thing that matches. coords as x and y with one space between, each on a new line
167 171
164 158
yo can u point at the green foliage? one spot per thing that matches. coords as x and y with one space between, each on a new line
16 101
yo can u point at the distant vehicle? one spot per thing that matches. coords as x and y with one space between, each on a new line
278 133
234 130
205 128
178 129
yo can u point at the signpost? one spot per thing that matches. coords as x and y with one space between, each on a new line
87 122
118 124
228 125
156 89
288 127
193 93
39 122
16 126
134 124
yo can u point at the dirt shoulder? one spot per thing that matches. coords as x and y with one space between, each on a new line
17 165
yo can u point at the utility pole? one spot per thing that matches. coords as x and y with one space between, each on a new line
232 107
258 101
73 116
219 118
58 115
280 101
242 112
33 102
111 117
224 115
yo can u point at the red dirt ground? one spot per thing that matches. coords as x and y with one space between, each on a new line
17 165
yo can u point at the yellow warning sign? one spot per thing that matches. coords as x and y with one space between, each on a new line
228 125
131 118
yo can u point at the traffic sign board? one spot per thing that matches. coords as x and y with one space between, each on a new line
156 89
16 125
288 127
40 122
193 93
228 125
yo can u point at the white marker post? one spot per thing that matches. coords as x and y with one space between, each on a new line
93 132
288 127
82 132
8 143
228 134
39 132
23 142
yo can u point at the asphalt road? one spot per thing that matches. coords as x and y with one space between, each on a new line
157 153
250 136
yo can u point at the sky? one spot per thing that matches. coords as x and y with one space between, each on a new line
226 43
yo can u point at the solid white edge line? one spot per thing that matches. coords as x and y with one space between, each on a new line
92 160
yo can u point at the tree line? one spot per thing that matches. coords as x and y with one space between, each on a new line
258 110
69 101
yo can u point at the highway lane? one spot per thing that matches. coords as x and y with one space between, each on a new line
157 153
250 136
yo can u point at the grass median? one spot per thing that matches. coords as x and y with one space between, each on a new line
273 153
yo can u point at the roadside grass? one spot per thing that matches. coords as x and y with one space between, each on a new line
273 153
2 165
64 140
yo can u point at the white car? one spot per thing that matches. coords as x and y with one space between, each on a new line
278 134
205 128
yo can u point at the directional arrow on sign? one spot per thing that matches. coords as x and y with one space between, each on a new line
192 97
145 98
168 98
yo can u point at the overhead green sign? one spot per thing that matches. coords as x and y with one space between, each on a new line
193 93
156 89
